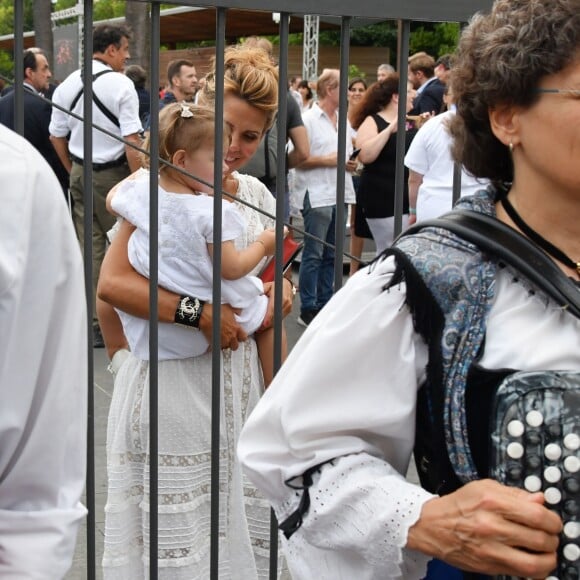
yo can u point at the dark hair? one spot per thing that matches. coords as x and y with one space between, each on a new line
377 96
445 60
29 59
356 80
305 85
501 58
137 74
174 68
106 34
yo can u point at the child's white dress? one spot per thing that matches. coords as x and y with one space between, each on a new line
185 265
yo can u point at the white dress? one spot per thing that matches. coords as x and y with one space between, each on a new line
354 399
185 265
184 458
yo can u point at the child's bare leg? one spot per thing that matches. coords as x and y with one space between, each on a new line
265 344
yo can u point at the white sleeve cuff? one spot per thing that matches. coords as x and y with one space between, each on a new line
361 509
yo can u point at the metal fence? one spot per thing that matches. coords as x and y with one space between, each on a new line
346 14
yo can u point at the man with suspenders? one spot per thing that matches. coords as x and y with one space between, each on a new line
115 109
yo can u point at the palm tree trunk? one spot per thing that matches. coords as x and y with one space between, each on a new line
137 19
41 10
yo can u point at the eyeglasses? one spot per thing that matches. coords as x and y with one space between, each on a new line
570 92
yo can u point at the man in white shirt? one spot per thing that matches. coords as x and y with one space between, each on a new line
116 109
316 181
431 170
43 369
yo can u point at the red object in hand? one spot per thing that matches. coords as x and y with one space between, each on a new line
290 251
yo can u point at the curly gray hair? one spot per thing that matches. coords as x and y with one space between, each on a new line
501 58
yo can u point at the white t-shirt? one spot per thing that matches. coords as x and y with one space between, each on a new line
320 182
43 369
117 92
185 265
430 155
355 400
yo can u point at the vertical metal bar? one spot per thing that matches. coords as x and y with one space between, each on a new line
281 195
457 169
403 60
153 296
87 66
456 182
18 67
216 296
341 152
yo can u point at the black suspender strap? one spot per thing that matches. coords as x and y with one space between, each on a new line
496 238
96 99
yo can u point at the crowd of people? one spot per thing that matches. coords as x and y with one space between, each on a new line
327 439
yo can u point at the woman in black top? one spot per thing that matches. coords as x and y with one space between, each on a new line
376 123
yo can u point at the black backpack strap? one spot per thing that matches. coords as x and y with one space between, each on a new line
96 99
498 239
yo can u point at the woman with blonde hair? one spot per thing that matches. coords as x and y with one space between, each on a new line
185 387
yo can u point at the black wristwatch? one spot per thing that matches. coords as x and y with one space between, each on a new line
189 311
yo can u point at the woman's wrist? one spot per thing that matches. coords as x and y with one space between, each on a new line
292 286
413 211
189 311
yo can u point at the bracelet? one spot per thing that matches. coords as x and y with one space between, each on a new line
188 312
291 284
413 211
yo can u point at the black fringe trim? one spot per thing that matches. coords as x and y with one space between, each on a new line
428 318
433 464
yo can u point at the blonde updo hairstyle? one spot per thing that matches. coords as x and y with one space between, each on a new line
249 75
184 126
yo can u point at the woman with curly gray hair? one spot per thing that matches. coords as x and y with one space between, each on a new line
439 325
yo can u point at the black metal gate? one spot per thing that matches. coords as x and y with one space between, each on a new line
346 13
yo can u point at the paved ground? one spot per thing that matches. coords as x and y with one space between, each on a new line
103 392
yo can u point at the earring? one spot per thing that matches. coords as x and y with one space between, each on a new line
511 147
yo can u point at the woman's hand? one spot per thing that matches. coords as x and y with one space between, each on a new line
287 299
231 333
392 126
351 166
489 528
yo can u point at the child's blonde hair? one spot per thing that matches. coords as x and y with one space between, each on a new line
184 126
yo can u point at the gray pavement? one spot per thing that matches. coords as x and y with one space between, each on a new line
103 390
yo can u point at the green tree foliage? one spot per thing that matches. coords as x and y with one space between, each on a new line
7 16
6 65
434 39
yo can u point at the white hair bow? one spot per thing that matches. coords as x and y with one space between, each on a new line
186 111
